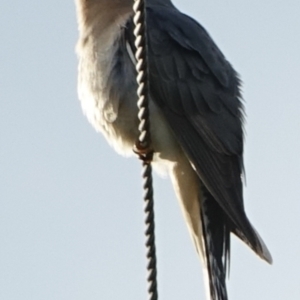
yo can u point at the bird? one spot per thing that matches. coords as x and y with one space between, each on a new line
196 118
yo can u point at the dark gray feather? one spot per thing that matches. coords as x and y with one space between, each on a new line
198 93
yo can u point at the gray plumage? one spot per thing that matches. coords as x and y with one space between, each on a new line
196 117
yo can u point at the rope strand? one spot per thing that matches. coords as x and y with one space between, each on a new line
143 145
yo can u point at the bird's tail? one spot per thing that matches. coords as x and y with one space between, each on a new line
216 237
207 226
216 228
210 227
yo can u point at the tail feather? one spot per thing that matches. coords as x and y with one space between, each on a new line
216 228
216 236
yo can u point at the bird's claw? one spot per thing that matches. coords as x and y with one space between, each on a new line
144 152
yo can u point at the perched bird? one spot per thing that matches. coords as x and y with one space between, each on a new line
196 117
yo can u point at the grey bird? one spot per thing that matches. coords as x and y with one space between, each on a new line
196 117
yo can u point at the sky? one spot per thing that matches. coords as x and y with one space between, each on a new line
71 213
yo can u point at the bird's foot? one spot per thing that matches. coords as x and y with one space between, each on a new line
144 152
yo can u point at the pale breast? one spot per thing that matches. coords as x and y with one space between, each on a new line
107 89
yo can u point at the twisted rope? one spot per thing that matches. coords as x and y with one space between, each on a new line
142 147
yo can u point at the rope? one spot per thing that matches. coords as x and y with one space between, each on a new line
143 145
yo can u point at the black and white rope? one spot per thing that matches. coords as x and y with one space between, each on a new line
143 145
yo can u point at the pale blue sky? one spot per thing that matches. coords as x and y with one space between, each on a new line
71 216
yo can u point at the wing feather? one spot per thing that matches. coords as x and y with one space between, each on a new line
199 94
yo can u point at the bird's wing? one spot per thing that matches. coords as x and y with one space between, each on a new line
198 93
